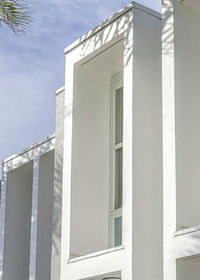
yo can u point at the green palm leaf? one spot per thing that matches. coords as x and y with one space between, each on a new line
16 14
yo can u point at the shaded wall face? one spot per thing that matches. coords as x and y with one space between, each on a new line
188 269
187 100
57 191
18 223
90 174
90 162
45 204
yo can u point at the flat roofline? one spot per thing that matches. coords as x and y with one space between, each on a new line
50 137
132 5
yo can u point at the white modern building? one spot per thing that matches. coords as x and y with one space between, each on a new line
181 135
114 193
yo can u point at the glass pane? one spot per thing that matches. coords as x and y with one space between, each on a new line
118 115
118 231
118 178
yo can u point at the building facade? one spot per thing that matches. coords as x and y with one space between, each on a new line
181 151
114 193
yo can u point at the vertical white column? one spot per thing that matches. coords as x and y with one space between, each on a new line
169 168
2 216
33 243
67 152
127 272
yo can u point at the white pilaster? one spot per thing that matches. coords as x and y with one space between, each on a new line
33 244
127 214
2 217
169 168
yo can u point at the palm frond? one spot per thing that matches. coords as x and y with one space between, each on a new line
16 14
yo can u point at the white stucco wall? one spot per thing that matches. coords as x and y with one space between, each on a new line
44 220
187 84
20 218
91 153
18 223
140 257
147 148
90 164
57 187
188 269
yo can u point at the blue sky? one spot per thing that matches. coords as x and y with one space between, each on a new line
32 66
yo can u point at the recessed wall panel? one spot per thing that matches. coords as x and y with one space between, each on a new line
18 223
44 225
187 100
90 184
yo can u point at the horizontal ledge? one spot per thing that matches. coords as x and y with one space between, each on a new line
187 230
99 27
61 89
41 142
96 254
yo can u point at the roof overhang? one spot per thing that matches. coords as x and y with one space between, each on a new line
132 5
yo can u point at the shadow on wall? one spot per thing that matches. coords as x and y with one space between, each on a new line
12 167
57 198
96 39
167 29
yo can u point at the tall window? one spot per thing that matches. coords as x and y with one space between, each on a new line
116 164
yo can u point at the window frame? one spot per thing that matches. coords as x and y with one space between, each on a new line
113 212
